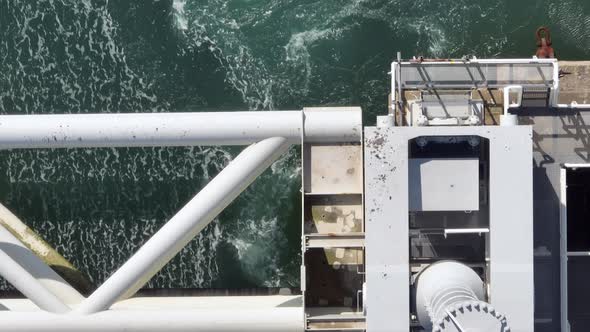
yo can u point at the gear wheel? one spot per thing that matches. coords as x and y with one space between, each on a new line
468 314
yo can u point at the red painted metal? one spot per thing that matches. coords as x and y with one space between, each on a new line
544 49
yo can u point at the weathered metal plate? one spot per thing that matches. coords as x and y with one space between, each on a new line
333 214
444 184
333 169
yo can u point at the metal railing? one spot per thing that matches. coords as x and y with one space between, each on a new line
268 134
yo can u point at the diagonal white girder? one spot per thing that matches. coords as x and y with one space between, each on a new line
38 269
186 224
18 274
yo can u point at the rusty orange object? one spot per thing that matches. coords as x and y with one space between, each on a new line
544 49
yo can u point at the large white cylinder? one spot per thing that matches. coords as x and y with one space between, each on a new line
450 297
176 129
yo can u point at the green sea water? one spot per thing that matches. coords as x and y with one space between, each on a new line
97 206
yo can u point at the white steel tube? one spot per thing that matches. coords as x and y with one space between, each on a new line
287 319
449 290
489 61
574 106
174 129
22 280
554 93
34 266
186 224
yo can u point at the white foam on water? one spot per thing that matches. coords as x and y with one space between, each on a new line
100 247
213 25
259 233
63 56
573 22
297 52
179 14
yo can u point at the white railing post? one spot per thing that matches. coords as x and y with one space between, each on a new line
186 224
507 119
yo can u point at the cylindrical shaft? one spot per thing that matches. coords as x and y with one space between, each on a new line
280 319
442 285
22 280
55 284
186 224
450 297
175 129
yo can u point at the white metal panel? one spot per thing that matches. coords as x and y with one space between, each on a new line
387 230
333 169
511 222
444 184
511 225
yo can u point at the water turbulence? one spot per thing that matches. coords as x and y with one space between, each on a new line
97 206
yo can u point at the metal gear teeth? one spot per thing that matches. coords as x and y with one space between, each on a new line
460 308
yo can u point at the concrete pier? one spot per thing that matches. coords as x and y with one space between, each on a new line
574 83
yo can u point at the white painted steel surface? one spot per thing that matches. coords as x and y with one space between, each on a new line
442 286
17 275
186 313
46 276
573 106
508 119
155 303
288 319
552 76
443 184
175 129
186 224
511 221
385 120
387 230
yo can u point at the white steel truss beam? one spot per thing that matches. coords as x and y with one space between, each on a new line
29 261
18 274
176 129
278 319
186 224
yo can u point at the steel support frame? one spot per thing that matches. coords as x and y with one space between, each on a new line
270 133
333 124
554 96
23 270
272 319
28 259
186 224
387 227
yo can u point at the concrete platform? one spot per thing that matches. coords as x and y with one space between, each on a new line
574 86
